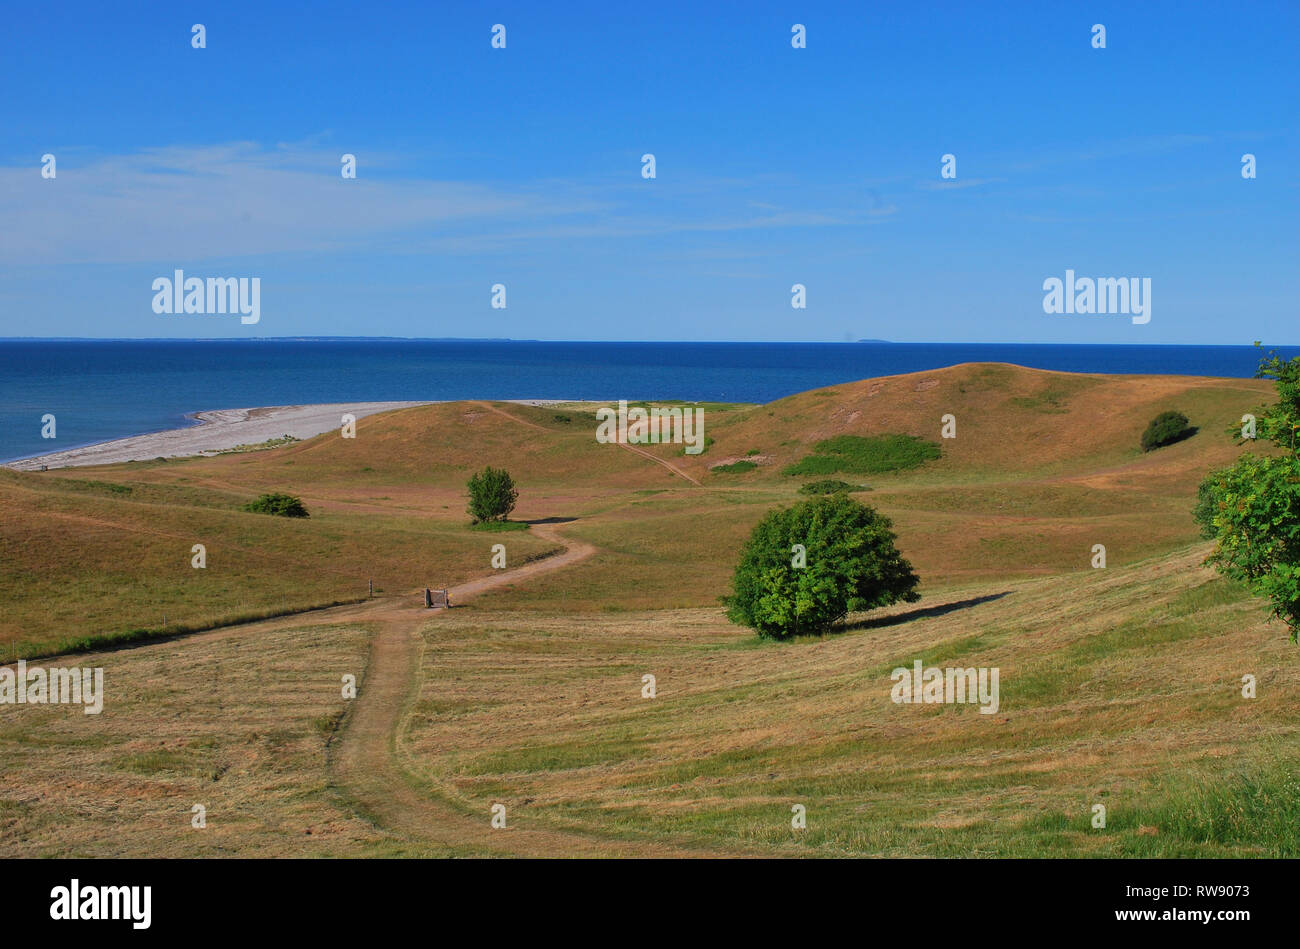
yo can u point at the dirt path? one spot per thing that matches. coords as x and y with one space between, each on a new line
365 759
659 461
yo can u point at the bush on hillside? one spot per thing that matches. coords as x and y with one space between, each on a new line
1165 429
281 505
492 495
849 563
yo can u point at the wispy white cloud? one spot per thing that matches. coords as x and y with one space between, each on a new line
232 200
241 199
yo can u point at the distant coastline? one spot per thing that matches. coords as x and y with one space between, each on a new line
655 342
217 431
104 390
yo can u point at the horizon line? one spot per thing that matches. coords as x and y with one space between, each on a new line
657 342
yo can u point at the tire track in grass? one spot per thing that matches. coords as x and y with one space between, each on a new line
632 448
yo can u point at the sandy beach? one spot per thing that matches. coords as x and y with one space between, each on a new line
220 430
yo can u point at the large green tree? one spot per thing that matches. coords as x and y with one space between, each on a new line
1253 508
805 568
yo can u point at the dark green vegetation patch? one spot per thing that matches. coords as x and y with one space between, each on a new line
831 486
281 505
856 454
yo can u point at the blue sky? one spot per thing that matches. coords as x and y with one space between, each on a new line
775 166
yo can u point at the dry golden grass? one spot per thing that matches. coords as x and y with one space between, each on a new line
1116 687
1044 466
1119 686
238 723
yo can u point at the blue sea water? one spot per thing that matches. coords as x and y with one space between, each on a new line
103 389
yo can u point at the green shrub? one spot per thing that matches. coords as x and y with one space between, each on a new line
850 564
831 487
735 466
855 454
492 495
281 505
1207 504
1165 429
1254 506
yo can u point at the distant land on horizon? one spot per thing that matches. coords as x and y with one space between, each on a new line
101 389
669 342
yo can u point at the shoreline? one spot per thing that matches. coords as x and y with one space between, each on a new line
219 430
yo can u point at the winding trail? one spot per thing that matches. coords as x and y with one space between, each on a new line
365 759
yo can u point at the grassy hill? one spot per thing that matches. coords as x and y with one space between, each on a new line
1119 686
1044 465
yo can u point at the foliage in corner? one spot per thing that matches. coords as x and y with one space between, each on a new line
1254 506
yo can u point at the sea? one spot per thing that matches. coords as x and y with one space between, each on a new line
103 389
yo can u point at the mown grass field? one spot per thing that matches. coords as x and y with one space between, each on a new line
1119 686
239 725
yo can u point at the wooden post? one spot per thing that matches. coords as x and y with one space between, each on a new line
428 598
372 588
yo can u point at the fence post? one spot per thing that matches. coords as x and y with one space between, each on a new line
428 598
372 588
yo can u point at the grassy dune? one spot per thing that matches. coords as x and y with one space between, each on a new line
1044 466
1119 686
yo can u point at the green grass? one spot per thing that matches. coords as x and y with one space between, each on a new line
857 454
1252 810
497 527
93 487
735 467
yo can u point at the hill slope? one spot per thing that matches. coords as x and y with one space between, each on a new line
1044 466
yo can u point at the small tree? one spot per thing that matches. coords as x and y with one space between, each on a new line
492 495
1165 429
1254 506
848 563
